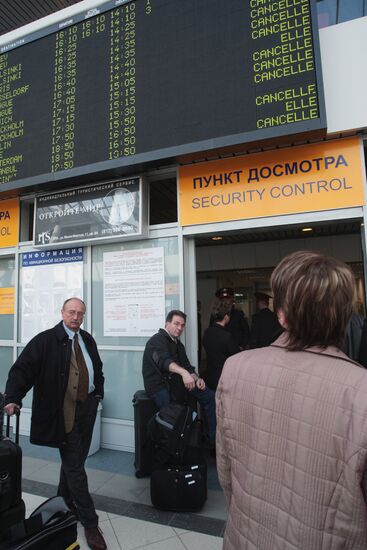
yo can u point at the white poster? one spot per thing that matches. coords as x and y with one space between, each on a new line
133 292
48 278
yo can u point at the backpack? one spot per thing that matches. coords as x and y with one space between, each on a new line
170 430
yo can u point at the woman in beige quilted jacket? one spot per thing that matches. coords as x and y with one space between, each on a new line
292 421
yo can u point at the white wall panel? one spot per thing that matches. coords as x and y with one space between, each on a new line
344 67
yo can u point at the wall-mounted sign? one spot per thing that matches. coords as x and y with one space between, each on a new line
112 209
308 178
48 278
9 222
133 292
7 301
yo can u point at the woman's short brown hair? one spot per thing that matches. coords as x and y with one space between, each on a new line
315 293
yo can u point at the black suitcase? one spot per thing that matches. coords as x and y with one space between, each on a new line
10 465
179 488
144 409
52 526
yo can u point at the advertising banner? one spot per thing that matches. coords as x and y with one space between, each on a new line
9 222
48 278
307 178
89 213
133 292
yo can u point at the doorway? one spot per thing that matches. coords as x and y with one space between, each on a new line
244 261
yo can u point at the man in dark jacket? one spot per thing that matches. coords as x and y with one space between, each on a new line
63 366
265 327
165 355
218 343
238 325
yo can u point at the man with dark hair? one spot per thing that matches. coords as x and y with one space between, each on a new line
265 327
218 343
238 325
164 356
64 368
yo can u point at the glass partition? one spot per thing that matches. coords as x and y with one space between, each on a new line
6 361
122 371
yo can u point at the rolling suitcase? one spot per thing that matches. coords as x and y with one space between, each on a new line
179 488
144 410
10 465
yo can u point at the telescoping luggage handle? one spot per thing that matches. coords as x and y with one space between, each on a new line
17 414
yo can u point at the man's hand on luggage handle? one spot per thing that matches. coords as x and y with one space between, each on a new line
11 408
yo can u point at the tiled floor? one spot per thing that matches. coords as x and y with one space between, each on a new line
126 516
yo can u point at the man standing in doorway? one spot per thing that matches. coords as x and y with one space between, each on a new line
165 355
238 325
265 327
64 368
218 343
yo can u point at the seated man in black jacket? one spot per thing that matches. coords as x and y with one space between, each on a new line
165 355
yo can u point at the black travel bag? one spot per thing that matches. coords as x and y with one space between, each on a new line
144 410
10 465
51 526
176 433
179 488
171 429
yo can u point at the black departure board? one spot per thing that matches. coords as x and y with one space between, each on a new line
141 81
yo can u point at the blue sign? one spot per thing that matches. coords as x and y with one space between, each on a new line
49 257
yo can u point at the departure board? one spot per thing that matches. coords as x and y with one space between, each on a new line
149 80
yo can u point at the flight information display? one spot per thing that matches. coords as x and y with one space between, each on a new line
134 82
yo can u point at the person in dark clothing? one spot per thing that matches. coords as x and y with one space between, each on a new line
64 368
165 355
238 325
362 355
353 337
265 327
199 333
218 343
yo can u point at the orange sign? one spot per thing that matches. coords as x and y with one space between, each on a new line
7 301
306 178
9 222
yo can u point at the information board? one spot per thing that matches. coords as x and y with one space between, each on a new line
147 80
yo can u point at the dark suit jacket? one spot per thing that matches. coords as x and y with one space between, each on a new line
219 345
237 326
44 365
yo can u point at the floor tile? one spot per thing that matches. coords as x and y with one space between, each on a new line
97 479
193 541
31 502
124 487
168 544
49 473
135 533
31 465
